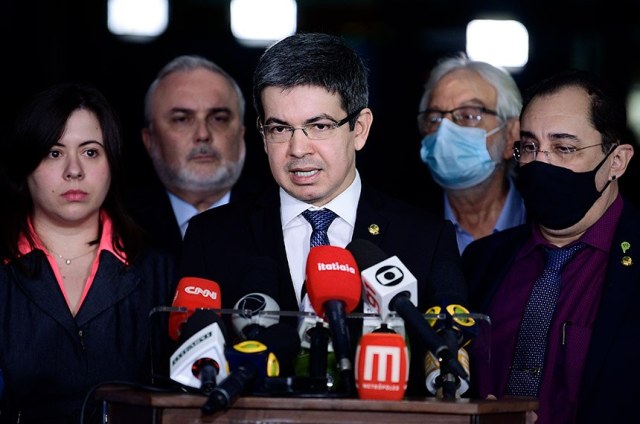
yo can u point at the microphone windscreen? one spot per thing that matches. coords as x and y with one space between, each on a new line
332 274
366 253
198 320
192 293
283 340
253 307
382 366
447 284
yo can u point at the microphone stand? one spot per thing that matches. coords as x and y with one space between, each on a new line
448 381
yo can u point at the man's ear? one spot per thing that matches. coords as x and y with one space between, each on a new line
513 135
620 158
362 128
146 138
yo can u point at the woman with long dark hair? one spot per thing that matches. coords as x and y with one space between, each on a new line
74 310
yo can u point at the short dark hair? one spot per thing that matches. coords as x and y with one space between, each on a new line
607 109
313 59
39 126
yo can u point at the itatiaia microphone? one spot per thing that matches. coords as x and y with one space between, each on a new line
253 361
389 286
192 293
333 286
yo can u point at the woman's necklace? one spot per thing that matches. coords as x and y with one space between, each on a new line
69 260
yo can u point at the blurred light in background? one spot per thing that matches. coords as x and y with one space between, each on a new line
259 23
502 43
633 110
138 20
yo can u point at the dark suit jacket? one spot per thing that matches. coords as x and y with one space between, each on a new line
241 247
609 388
51 359
150 207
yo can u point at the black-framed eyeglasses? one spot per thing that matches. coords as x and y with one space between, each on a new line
321 129
527 151
465 116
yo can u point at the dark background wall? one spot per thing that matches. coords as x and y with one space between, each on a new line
47 41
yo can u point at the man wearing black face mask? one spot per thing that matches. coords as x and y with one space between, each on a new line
563 291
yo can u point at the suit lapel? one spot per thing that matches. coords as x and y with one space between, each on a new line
266 229
621 282
110 285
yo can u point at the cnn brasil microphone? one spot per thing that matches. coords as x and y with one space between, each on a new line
253 361
192 293
382 366
334 289
389 286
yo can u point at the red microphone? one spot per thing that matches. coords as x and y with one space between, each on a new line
382 366
192 293
334 287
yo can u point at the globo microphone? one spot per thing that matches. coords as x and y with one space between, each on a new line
200 361
389 286
255 311
253 361
334 288
382 366
192 293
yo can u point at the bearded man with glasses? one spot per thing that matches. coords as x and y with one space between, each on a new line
573 270
469 119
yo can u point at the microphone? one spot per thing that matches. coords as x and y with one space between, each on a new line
458 331
334 289
389 286
253 315
382 366
200 361
456 328
192 293
253 361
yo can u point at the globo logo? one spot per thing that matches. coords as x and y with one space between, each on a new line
199 291
389 275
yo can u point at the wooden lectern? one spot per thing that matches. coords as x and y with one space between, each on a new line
125 405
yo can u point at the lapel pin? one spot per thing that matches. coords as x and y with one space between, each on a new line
374 229
625 245
626 260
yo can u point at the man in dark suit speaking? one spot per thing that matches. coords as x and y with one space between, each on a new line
311 97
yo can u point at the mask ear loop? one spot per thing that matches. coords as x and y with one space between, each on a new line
496 129
613 178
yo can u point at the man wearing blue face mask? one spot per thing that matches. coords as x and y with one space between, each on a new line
563 291
469 119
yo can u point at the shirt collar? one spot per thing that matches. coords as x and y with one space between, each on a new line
184 211
105 240
513 212
599 235
342 205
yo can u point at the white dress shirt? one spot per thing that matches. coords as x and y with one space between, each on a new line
297 230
